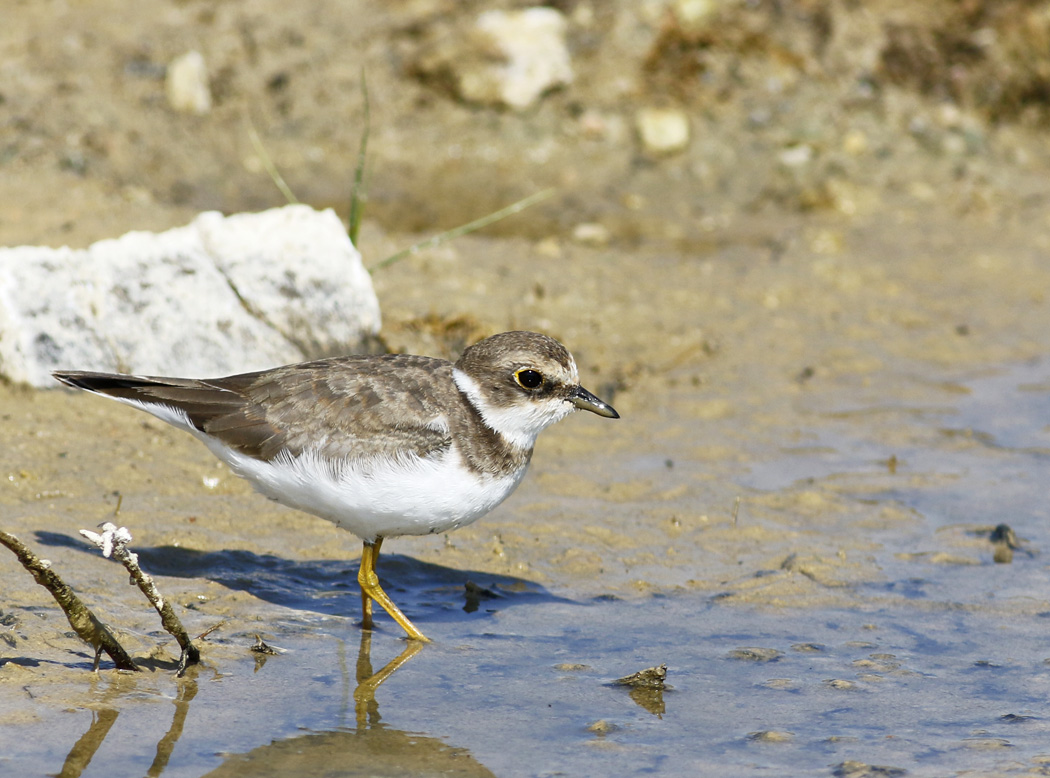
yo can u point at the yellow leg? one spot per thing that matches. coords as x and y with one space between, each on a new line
367 563
371 590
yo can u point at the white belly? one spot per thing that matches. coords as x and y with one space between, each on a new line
412 496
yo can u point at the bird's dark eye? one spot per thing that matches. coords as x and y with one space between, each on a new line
529 379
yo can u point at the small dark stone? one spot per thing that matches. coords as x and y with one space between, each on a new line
1004 534
475 594
1015 718
650 678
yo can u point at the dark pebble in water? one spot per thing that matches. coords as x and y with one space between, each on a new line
650 678
755 654
862 770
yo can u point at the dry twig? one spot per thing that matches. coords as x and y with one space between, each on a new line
81 619
114 542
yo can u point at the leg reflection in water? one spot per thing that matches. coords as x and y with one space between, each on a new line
365 706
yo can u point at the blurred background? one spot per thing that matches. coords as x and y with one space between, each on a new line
683 124
738 131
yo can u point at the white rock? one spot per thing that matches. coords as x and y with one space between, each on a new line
187 84
522 56
221 295
662 130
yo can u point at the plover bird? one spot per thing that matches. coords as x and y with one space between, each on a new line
381 445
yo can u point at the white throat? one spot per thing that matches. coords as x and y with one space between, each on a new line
519 424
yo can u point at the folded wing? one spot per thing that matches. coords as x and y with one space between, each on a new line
354 408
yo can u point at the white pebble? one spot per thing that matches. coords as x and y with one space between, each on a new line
187 84
591 234
662 130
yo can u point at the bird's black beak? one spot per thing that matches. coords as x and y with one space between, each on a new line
584 400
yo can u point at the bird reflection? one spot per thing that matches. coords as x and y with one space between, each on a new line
366 709
371 748
365 747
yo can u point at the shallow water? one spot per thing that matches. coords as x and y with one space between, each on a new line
926 656
526 692
973 456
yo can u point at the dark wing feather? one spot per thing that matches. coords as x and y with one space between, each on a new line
201 401
355 407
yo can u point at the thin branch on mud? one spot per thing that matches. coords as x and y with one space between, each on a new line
81 619
210 629
114 542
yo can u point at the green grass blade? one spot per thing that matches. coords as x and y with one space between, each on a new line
473 226
358 195
275 174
